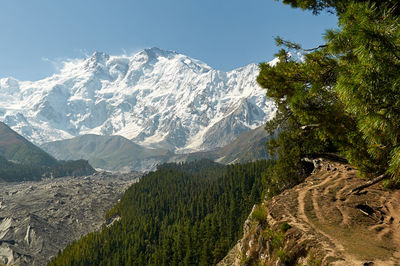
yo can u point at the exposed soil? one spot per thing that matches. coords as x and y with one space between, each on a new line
336 227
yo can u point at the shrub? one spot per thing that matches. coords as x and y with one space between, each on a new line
259 214
283 255
284 227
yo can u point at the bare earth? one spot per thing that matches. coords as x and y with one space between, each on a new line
39 218
336 227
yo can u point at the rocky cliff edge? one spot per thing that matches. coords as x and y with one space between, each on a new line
321 222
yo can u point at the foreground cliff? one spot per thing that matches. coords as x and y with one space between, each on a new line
320 222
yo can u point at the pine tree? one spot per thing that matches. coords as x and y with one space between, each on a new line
369 75
339 6
342 96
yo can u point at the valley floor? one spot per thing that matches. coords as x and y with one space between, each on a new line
37 219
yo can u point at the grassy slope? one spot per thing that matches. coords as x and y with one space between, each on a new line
20 160
14 147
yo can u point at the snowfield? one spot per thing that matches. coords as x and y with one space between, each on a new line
156 98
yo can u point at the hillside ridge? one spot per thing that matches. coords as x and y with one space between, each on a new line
20 160
14 147
325 224
116 153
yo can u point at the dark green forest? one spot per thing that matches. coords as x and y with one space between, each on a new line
16 172
181 214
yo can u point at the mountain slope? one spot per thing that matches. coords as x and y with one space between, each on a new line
156 98
14 147
20 160
119 153
247 147
107 152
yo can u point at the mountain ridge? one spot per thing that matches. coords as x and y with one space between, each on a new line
107 152
116 153
157 98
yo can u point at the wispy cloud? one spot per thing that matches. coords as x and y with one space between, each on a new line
56 63
62 63
82 52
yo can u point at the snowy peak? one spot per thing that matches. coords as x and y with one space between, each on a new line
155 52
9 86
154 57
97 60
99 57
156 98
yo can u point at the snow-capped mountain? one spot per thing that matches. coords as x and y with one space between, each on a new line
156 98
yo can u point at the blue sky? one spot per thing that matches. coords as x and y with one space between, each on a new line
37 35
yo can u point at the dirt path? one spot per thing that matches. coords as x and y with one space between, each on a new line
360 228
354 229
333 246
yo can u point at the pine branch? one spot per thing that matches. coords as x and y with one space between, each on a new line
315 48
296 46
309 127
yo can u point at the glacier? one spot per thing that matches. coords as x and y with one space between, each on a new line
156 98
